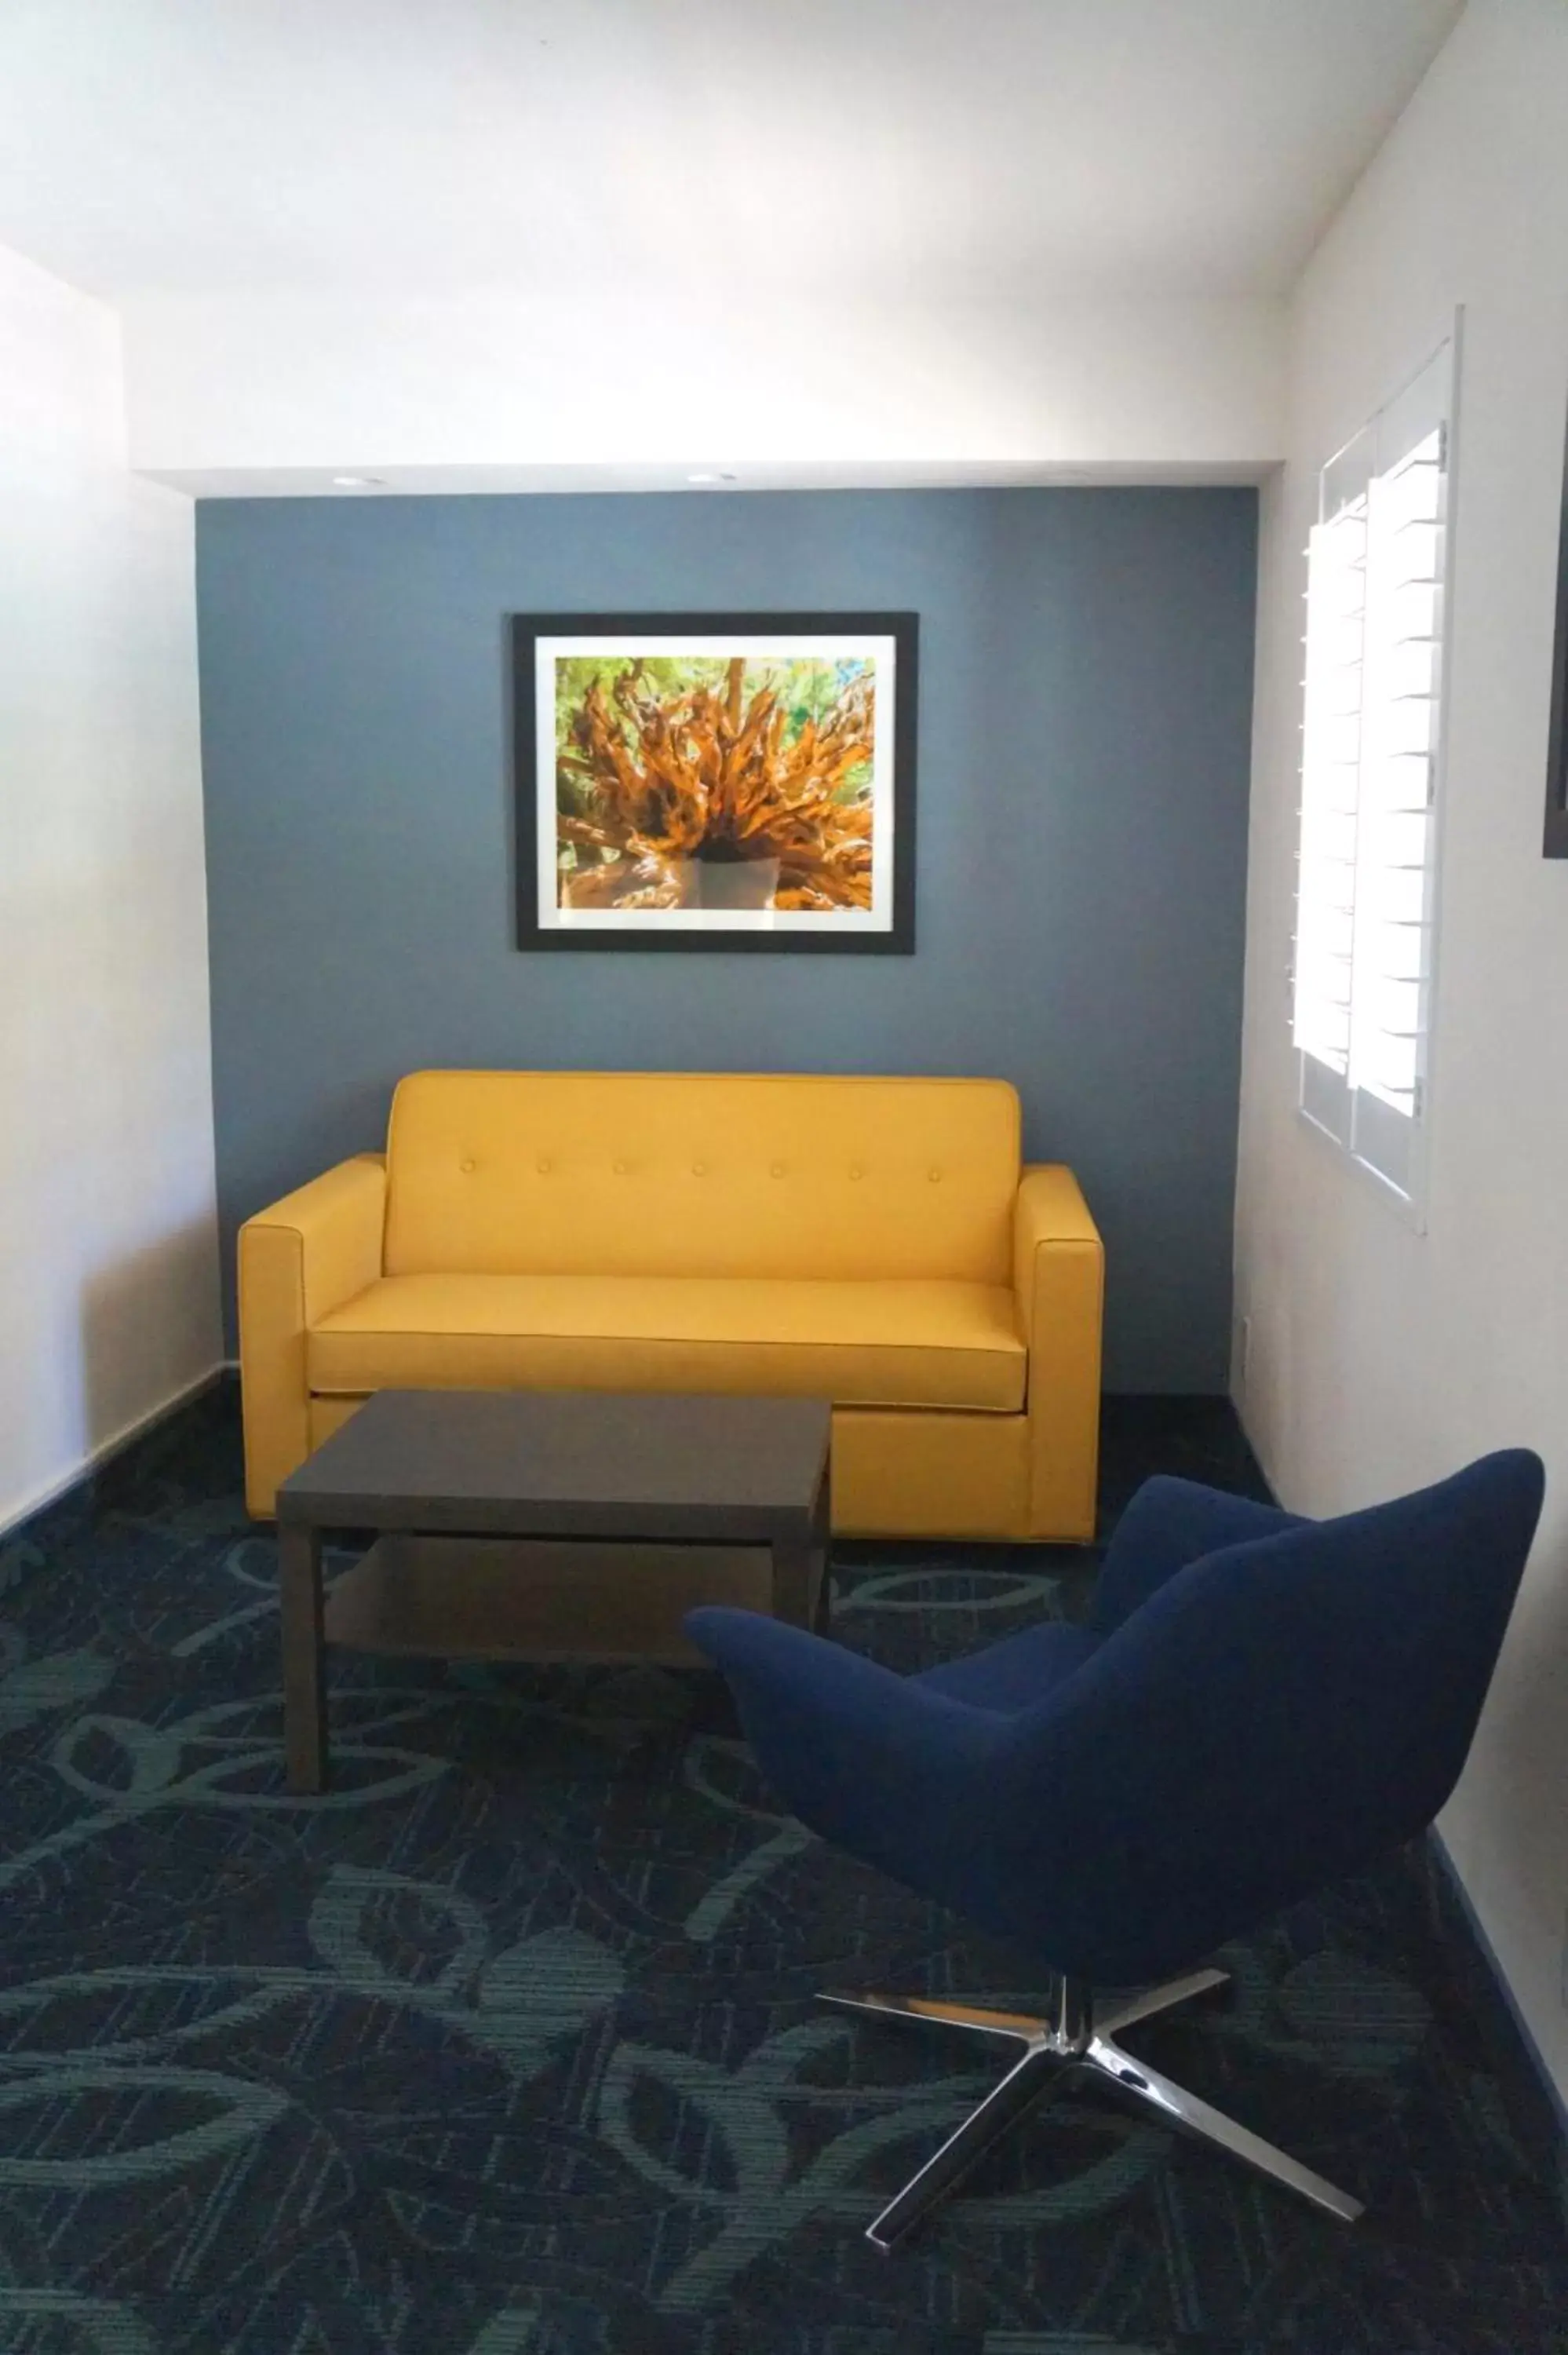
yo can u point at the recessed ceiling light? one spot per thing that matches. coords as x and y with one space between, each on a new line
710 479
358 483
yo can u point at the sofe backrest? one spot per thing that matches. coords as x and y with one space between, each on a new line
588 1173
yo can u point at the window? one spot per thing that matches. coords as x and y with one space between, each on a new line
1371 770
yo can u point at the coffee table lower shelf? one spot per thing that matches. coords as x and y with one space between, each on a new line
460 1598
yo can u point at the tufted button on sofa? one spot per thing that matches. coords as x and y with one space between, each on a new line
876 1242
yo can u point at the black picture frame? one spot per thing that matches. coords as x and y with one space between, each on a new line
895 938
1555 842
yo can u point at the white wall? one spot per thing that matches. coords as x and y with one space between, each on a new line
107 1251
1382 1358
493 391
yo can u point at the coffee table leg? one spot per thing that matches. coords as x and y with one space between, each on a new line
800 1568
304 1664
792 1559
823 1532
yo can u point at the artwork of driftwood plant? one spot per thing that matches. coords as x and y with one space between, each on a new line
668 769
715 780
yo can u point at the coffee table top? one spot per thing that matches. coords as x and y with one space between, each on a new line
563 1464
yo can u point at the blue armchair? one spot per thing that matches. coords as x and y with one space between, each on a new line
1257 1706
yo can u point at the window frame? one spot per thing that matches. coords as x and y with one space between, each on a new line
1327 1101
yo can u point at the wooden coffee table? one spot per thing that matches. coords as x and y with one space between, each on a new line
446 1476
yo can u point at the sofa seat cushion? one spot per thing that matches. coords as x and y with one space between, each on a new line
923 1343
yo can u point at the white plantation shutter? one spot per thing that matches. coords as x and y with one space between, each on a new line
1371 746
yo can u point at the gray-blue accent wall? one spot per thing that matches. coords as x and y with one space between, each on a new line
1086 698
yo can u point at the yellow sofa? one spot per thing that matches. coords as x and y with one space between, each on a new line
874 1241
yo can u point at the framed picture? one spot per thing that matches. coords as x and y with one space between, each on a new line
734 781
1557 842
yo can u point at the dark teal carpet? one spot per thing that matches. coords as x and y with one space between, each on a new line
507 2046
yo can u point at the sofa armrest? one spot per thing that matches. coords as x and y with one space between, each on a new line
1058 1275
305 1255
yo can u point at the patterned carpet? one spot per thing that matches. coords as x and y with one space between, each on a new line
506 2047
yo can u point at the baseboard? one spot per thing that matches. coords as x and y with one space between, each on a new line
106 1449
1472 1920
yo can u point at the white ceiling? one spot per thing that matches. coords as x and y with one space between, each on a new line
724 151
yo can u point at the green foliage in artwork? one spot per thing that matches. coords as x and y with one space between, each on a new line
808 687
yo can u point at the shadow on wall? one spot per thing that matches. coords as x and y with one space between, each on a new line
150 1328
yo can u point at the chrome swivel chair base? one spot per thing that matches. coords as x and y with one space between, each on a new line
1050 2050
